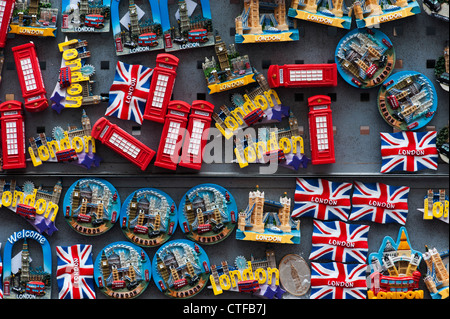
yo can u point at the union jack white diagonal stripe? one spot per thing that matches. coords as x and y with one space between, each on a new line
129 92
322 199
338 281
75 272
380 203
339 241
408 151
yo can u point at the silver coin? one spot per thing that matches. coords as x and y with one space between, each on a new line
295 274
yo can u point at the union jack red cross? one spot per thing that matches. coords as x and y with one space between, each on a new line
75 272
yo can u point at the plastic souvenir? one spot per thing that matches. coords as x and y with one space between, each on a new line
74 145
148 217
295 274
380 203
321 133
365 57
436 279
331 13
283 145
34 18
139 29
196 135
435 205
441 70
180 269
270 26
23 279
258 106
437 8
161 87
174 129
268 220
92 206
302 75
335 280
259 277
207 213
6 11
371 13
322 199
74 87
407 100
85 16
230 71
129 91
12 125
408 151
186 24
36 205
123 143
442 144
339 241
30 77
122 270
75 272
394 270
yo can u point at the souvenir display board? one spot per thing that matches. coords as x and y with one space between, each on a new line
356 128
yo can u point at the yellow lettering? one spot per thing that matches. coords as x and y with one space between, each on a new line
53 147
40 206
276 272
224 282
51 208
216 290
74 65
272 144
231 123
70 54
250 154
86 143
261 102
295 140
239 115
285 145
242 162
74 89
77 144
7 198
43 153
248 106
268 94
79 77
77 99
233 274
34 160
247 274
260 275
19 195
67 43
260 149
65 143
30 198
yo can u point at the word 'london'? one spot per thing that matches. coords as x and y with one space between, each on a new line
226 282
41 205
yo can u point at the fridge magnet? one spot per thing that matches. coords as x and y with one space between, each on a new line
122 270
339 241
123 143
207 213
23 279
333 13
75 80
436 278
435 205
441 69
30 77
407 101
180 269
321 132
408 151
284 145
92 206
379 203
137 30
267 220
34 18
75 272
436 8
442 144
302 75
36 205
270 25
186 24
322 199
259 105
148 217
75 145
12 124
5 17
259 277
365 58
295 274
335 280
371 13
394 270
90 16
230 71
